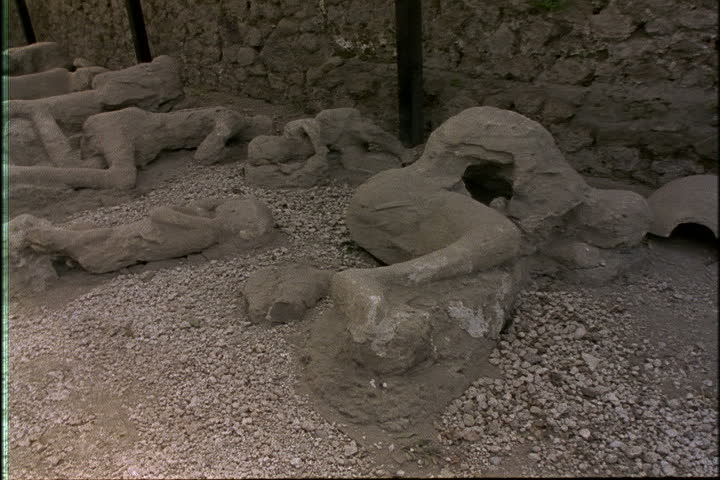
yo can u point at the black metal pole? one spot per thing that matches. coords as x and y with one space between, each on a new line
137 28
25 20
408 37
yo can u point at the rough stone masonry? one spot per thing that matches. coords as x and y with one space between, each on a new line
627 87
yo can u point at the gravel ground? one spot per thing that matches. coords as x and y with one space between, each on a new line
586 398
156 372
189 386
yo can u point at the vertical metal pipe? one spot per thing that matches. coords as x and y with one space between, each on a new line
25 20
137 28
408 37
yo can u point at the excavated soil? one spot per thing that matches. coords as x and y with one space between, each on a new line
154 371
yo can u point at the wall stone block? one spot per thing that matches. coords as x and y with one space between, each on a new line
628 87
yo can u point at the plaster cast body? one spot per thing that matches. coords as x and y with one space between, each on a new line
115 143
168 232
424 223
154 86
337 143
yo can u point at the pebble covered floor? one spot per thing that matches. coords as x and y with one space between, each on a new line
158 374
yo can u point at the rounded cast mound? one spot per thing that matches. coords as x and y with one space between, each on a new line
692 199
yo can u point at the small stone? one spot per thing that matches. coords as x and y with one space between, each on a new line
633 452
147 276
612 398
350 450
446 473
495 460
590 392
662 449
580 333
471 435
533 359
650 457
667 468
54 460
585 433
468 420
591 361
616 444
296 462
611 458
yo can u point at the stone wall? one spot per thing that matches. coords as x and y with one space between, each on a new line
628 87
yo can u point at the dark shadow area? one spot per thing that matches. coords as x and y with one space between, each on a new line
488 181
688 244
63 266
693 233
351 247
